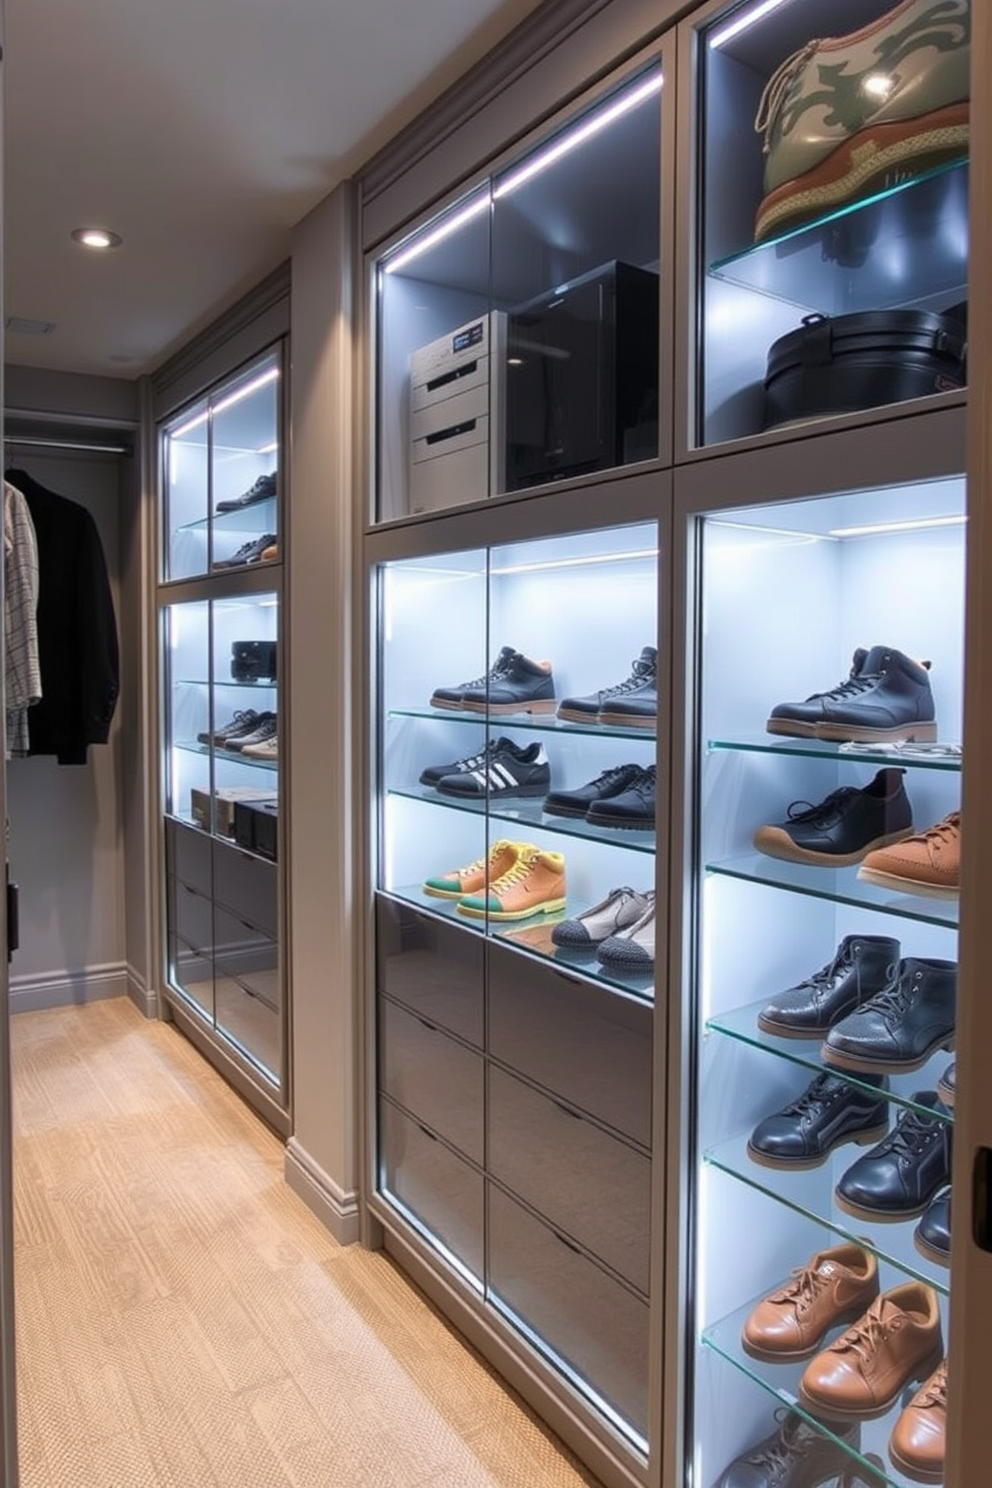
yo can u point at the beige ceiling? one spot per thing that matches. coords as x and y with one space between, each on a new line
201 131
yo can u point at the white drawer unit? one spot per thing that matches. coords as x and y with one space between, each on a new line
454 416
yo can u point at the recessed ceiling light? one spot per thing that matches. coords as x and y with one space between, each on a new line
96 237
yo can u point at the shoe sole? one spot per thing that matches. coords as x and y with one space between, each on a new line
573 811
833 1411
866 1138
911 1470
861 1064
902 885
930 1252
790 1356
521 792
573 715
838 733
776 843
637 824
848 172
498 710
946 1093
450 704
894 1216
628 720
784 1030
550 906
445 893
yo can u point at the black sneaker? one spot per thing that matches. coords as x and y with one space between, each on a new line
454 697
845 826
243 722
898 1178
577 802
522 686
262 490
433 773
633 807
265 729
508 771
249 552
900 1027
828 1112
886 697
862 965
634 701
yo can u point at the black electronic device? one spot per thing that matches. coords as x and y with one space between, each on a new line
581 377
253 661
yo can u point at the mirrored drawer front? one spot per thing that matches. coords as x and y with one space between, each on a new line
190 915
592 1323
436 1186
187 855
433 968
436 1079
192 972
587 1044
248 886
249 957
584 1181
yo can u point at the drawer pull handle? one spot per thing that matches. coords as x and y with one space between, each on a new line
427 1133
568 1244
432 1026
446 377
465 427
566 1111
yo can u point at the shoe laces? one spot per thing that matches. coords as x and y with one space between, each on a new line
943 833
891 1001
645 782
499 668
850 687
802 1288
842 960
641 671
519 871
911 1133
867 1335
776 91
608 777
825 812
778 1454
934 1392
814 1095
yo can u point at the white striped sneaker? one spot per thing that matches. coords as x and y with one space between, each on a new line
508 771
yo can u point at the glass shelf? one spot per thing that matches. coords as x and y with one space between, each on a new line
529 813
841 885
824 749
809 1192
742 1025
532 937
542 723
224 682
259 516
903 246
782 1382
191 746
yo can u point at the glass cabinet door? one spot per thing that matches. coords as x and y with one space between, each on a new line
833 201
828 796
518 331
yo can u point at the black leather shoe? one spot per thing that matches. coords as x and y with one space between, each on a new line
829 1111
522 686
577 802
862 965
634 807
845 826
903 1025
795 1455
899 1177
932 1236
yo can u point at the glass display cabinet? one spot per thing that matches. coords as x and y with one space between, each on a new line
219 608
827 817
518 333
517 721
832 199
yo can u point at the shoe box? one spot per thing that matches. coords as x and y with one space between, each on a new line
256 826
453 409
227 799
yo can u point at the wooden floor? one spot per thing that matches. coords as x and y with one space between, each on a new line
182 1318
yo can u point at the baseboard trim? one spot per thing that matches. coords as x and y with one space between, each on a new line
144 997
336 1208
31 993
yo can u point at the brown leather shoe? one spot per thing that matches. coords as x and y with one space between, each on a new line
928 863
917 1442
897 1341
835 1286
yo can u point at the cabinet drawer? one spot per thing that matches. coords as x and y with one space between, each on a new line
187 855
432 968
248 886
243 953
582 1042
437 1080
191 971
583 1180
582 1315
190 915
435 1185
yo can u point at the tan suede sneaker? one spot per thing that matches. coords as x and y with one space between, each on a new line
928 863
835 1286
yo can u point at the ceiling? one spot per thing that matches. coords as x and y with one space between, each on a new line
201 133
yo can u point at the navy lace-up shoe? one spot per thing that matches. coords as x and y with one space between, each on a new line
899 1177
828 1112
900 1027
577 802
886 697
633 807
631 702
845 826
862 966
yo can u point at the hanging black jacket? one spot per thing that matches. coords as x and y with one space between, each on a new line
77 632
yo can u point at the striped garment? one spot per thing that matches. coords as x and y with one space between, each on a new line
21 666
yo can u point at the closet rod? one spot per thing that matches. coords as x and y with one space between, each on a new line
67 444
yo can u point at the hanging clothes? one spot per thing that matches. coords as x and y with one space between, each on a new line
77 631
21 662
